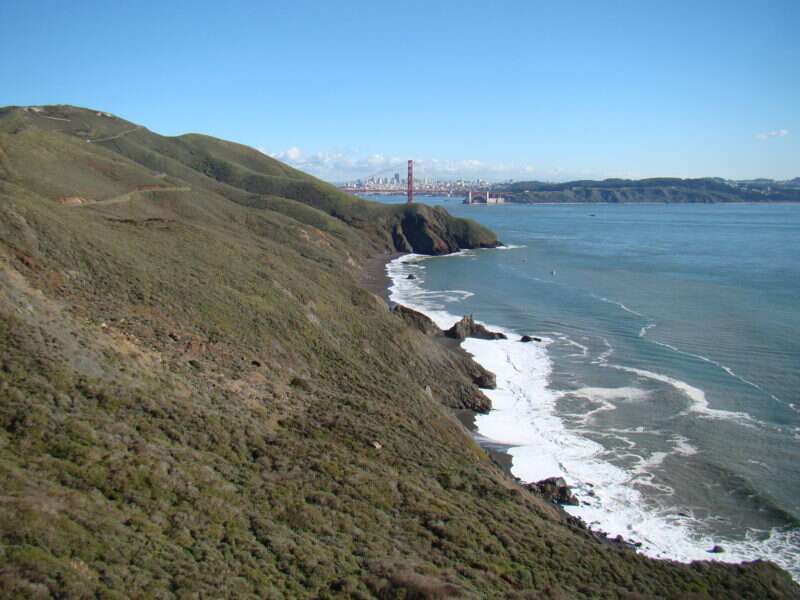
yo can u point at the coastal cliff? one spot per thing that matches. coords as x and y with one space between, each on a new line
199 398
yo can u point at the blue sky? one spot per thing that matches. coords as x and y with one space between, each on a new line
545 90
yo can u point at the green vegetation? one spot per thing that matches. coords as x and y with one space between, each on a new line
198 399
656 189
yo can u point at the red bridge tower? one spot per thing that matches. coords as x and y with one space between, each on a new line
410 181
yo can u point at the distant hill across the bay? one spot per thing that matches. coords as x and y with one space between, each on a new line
657 189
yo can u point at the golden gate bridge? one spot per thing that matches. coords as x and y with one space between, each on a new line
411 186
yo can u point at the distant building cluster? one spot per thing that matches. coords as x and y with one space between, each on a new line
483 198
422 185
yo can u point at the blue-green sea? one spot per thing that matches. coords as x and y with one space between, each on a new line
666 385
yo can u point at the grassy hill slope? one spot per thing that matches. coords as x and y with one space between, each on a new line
198 399
655 189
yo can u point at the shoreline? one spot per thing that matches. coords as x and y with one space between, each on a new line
608 524
497 451
375 279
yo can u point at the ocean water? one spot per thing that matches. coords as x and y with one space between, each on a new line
666 388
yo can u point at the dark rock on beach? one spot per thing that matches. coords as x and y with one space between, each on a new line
467 327
528 338
554 489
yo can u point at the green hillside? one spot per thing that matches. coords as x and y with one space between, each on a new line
655 189
198 399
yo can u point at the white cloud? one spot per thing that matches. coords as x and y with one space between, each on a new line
345 166
294 154
778 133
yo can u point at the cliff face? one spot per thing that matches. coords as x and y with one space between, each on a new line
197 398
426 230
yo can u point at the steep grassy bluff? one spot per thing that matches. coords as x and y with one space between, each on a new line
659 189
95 157
198 398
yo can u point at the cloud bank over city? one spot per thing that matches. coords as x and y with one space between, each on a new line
340 167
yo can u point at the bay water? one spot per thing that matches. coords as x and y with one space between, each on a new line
666 385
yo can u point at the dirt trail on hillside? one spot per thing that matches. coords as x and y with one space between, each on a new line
130 195
114 137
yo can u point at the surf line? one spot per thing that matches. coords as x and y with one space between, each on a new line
651 324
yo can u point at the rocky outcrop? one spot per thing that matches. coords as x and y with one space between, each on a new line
417 320
467 327
401 244
461 389
480 376
528 338
432 230
476 373
553 489
470 397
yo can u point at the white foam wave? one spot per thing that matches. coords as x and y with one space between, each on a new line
602 358
643 331
727 370
628 393
511 247
619 304
524 416
682 446
603 397
583 350
699 403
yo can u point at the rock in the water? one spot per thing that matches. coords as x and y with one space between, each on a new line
417 320
411 276
717 550
467 327
526 338
554 489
